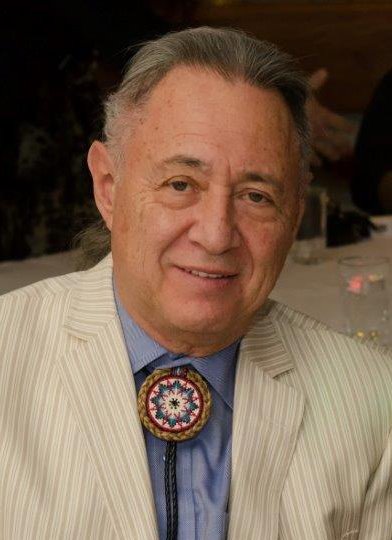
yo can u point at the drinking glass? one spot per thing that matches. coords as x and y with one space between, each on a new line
311 237
363 283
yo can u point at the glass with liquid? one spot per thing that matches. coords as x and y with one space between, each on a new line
364 293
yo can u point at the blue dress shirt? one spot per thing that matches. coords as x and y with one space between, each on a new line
203 463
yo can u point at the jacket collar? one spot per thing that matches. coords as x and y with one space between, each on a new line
92 304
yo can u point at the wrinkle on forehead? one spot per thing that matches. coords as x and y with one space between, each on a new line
209 119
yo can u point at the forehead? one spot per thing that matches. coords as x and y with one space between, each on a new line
197 112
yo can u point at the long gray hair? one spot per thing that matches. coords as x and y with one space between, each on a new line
230 53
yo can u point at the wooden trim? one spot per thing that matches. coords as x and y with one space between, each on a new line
353 41
250 9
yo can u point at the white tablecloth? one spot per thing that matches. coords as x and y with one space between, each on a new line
312 289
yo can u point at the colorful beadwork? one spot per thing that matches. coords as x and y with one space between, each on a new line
174 406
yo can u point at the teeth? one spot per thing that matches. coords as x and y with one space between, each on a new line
205 275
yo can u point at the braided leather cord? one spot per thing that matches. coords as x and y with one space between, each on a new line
171 491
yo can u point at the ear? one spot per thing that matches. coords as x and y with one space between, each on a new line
103 172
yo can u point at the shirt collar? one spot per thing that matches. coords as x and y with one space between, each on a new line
218 368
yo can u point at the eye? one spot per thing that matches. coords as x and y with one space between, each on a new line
179 185
256 197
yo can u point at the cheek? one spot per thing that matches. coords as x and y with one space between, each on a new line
129 231
147 231
269 246
131 212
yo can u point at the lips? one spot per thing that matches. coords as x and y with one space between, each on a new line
208 275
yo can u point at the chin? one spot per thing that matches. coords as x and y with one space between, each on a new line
203 322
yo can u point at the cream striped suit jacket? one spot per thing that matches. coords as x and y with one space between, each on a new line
312 442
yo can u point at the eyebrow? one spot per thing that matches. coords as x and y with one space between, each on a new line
253 176
189 161
249 176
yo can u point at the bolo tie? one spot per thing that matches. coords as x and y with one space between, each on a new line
174 405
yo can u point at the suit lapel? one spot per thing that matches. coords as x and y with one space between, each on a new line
267 418
100 385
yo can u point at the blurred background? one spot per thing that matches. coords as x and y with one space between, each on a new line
60 58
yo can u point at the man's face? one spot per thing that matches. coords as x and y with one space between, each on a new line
206 207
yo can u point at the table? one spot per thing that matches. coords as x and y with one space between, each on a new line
312 289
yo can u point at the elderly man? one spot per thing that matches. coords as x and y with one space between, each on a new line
200 182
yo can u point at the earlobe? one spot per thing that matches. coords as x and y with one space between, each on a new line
103 173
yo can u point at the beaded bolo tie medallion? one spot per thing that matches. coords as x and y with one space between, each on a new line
174 405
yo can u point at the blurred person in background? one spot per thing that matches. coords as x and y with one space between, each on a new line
371 185
332 135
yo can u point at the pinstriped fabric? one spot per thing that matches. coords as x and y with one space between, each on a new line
346 437
71 439
312 443
267 417
104 400
339 479
45 475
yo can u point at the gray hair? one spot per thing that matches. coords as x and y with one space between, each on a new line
231 54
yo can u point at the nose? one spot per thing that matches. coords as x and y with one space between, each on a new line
214 227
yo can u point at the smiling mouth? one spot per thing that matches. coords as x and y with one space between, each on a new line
208 275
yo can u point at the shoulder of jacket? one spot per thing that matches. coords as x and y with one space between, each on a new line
58 285
282 314
288 320
41 290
